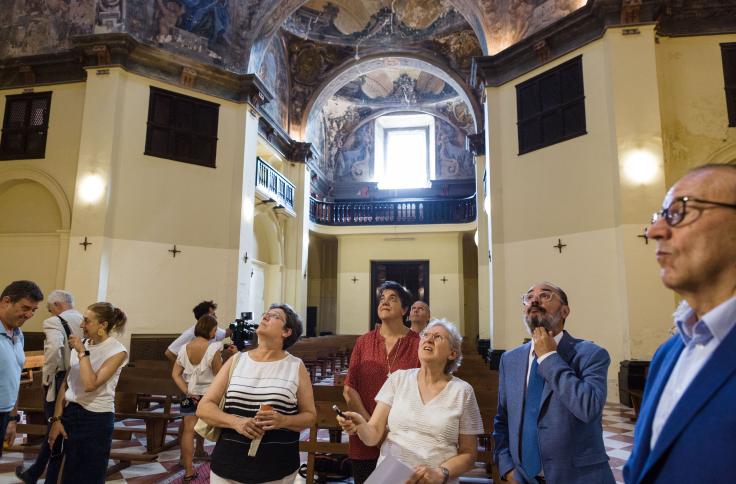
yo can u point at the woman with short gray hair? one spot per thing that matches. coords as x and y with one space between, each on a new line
455 340
432 417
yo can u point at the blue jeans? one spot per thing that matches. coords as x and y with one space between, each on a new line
4 419
87 449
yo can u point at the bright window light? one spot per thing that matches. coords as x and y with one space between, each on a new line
406 158
404 151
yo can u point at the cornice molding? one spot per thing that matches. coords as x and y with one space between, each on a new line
302 152
122 50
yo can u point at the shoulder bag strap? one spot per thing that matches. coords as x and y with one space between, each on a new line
67 329
236 360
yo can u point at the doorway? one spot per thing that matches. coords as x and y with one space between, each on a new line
413 275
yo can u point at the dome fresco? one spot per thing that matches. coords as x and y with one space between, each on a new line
330 65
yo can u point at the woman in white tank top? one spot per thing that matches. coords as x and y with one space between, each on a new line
82 425
196 365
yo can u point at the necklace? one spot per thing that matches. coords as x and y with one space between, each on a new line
396 353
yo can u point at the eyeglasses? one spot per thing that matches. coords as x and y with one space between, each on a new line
542 297
675 213
272 315
435 337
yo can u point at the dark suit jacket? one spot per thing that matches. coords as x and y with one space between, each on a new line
569 425
698 441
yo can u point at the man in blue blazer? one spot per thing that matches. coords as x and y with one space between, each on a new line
551 395
686 430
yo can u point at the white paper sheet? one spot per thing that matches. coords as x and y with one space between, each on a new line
390 470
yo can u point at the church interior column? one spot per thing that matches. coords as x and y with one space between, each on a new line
88 270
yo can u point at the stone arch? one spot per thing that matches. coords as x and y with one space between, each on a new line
11 174
353 69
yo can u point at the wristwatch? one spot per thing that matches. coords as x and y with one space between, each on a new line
82 354
15 418
445 473
54 419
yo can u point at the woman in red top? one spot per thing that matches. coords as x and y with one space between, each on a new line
389 347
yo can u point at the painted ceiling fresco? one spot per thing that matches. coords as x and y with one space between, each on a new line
344 129
207 30
44 26
396 86
373 23
274 73
509 21
236 33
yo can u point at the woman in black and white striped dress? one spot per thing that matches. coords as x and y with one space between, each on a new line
268 401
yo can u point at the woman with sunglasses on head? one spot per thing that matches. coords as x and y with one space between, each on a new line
268 401
84 414
432 417
196 366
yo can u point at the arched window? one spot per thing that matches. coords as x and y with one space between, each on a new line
404 151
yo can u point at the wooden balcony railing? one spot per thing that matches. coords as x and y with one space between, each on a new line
398 212
273 183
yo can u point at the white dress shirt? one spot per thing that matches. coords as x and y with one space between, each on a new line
541 358
701 338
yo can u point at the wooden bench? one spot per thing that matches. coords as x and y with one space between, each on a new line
325 420
130 387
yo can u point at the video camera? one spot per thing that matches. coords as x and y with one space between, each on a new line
243 329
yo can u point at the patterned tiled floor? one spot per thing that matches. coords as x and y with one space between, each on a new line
618 435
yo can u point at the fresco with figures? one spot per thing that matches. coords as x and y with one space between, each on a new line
274 73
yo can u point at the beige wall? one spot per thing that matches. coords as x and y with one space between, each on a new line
694 116
36 197
580 191
150 205
355 253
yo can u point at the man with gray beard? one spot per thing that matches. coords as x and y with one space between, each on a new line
551 393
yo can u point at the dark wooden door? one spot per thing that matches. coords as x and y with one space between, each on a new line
311 321
413 275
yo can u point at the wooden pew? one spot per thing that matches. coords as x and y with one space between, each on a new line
133 384
31 399
324 397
